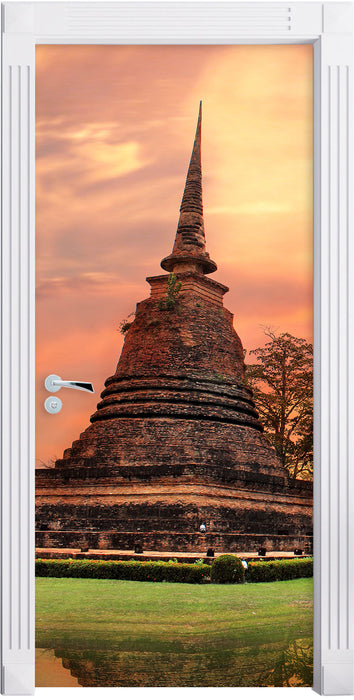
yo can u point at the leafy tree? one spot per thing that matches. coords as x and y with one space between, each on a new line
282 382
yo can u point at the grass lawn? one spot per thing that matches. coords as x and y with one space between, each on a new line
129 633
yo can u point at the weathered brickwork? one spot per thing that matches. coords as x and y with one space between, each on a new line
176 439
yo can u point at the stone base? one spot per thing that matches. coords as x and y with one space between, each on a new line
153 555
108 508
232 543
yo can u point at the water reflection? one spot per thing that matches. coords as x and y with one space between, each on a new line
294 666
51 672
269 664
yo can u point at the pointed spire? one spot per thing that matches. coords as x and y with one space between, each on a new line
192 199
189 252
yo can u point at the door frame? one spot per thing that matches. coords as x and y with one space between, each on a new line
329 28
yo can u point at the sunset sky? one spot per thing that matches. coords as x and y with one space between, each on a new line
114 133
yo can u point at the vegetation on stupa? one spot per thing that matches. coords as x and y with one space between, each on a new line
173 289
125 324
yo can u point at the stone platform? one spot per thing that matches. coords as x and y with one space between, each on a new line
182 557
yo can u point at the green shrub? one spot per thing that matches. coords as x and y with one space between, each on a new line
227 569
223 570
128 570
125 327
173 290
279 570
125 324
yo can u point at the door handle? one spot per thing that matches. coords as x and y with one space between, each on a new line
54 383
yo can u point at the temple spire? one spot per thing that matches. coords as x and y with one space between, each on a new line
192 200
189 253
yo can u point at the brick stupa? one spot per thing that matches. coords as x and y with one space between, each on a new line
176 441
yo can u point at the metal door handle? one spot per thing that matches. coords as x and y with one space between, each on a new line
54 383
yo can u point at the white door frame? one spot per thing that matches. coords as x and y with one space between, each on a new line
329 27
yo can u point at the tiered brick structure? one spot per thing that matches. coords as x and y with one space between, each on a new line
176 440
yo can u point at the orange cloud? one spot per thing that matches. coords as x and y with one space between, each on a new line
114 130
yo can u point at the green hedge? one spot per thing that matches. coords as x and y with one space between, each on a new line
227 569
279 570
128 570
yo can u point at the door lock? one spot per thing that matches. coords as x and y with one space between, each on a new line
52 404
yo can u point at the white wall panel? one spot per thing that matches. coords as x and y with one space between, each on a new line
17 397
330 27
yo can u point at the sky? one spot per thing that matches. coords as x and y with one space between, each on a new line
114 132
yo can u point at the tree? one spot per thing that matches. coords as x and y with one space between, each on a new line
282 383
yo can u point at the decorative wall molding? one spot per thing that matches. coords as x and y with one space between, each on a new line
334 628
329 27
161 22
17 448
